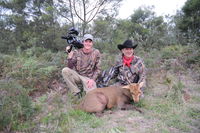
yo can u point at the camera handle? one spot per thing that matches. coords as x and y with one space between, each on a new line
69 49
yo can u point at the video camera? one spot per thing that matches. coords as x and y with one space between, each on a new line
72 39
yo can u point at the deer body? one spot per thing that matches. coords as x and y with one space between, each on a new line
108 97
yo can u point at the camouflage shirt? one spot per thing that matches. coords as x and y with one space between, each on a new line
136 73
86 64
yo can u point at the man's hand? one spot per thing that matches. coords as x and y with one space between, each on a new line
70 54
90 83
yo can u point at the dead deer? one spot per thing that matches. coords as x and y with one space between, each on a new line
97 100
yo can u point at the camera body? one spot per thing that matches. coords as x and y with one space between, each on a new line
72 40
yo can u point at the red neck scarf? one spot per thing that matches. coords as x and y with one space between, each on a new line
127 60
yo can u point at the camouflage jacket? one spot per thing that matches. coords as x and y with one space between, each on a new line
136 73
86 64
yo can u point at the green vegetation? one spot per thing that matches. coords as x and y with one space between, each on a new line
15 104
32 93
23 73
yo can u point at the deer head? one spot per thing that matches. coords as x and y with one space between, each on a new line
135 91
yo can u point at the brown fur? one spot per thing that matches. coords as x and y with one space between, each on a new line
114 96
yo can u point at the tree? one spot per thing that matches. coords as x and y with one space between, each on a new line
190 23
14 19
175 36
30 23
104 30
82 12
147 29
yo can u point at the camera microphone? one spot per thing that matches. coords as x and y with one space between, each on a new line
63 37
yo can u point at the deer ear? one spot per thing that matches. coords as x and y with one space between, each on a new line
126 87
141 84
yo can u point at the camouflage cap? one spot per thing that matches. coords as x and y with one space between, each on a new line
87 37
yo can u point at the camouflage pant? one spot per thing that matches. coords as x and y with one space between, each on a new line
73 79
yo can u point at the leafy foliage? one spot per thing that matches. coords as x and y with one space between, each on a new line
32 67
15 105
147 29
172 51
190 23
20 74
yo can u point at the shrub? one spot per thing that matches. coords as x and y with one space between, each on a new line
175 93
194 58
172 51
20 74
31 67
15 105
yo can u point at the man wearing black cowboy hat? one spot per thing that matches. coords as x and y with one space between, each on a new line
127 69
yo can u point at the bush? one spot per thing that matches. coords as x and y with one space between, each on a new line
20 74
193 55
32 67
172 51
15 105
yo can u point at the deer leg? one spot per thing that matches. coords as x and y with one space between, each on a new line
98 114
131 107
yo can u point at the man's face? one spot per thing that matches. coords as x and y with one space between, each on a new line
128 52
88 44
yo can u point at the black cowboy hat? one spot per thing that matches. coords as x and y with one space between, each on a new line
127 44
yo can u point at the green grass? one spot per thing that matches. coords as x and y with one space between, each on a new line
88 119
194 113
71 121
170 114
117 130
169 108
141 104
